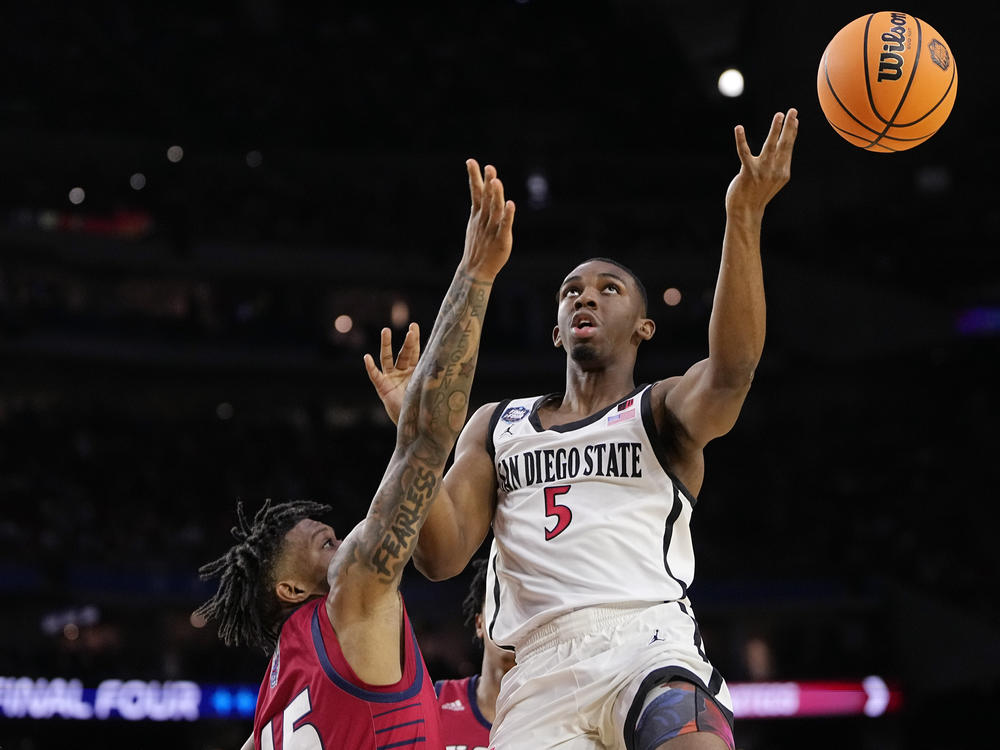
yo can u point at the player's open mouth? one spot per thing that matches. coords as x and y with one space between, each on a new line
583 325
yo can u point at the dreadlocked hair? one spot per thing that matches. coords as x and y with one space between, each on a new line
474 600
245 606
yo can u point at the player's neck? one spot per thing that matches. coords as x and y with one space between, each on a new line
589 390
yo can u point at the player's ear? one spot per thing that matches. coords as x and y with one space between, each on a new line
645 329
480 630
290 591
556 338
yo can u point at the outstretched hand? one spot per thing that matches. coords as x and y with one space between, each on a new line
762 176
390 381
488 238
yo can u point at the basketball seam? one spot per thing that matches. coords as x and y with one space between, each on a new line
844 131
833 92
882 143
954 70
887 137
864 65
909 83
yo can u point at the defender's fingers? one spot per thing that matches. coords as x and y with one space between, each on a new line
475 182
385 350
489 176
508 217
409 352
374 374
790 129
742 147
416 341
496 203
772 135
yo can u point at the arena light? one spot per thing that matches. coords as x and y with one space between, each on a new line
343 324
181 700
731 83
978 321
672 296
400 313
537 185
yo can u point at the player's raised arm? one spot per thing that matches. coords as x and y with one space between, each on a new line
365 573
708 398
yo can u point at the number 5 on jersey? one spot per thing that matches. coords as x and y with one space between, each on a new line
301 737
562 513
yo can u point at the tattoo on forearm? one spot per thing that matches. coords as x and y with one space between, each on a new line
417 491
432 415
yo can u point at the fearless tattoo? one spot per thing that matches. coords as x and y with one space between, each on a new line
393 551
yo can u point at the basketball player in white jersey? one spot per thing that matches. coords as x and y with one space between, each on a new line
590 494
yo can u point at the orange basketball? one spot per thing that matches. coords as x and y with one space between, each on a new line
887 81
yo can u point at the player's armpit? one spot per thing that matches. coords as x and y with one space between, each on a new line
462 512
705 403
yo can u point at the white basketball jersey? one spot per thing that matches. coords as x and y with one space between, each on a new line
587 514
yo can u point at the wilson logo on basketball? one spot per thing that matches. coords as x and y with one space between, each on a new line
890 64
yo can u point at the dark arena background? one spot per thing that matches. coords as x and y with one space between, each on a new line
208 213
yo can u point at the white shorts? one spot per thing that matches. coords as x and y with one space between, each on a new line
580 680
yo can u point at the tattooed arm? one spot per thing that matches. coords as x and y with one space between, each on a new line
364 574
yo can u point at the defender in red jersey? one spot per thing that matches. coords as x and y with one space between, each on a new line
312 695
463 725
346 671
468 705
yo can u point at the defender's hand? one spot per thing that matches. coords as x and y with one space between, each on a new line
761 177
390 382
489 237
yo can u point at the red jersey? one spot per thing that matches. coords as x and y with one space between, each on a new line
463 726
311 699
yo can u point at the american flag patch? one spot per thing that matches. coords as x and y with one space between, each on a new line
621 416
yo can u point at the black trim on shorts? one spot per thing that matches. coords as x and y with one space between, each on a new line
649 422
697 633
491 448
658 677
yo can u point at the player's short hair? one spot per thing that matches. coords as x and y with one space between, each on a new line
475 599
245 604
638 282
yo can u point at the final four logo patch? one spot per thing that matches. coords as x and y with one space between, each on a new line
514 414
